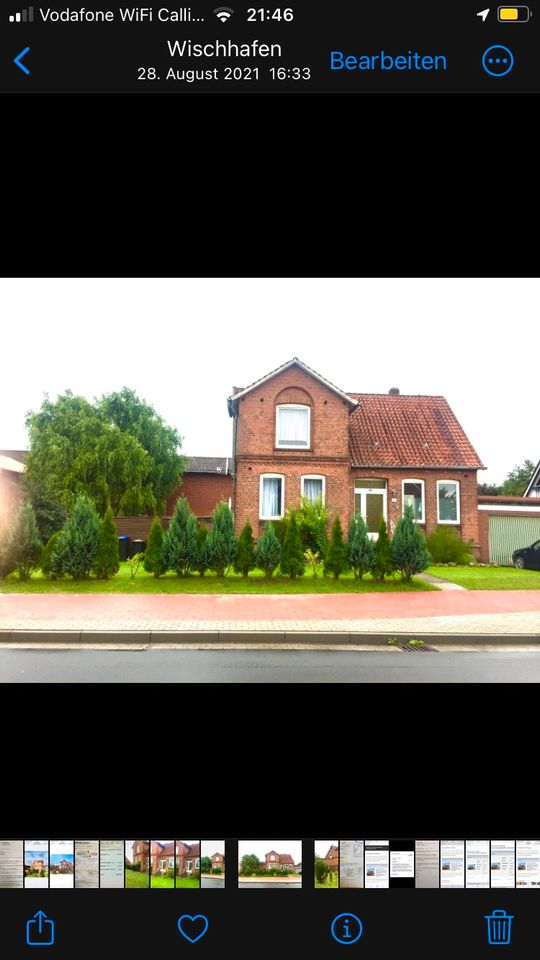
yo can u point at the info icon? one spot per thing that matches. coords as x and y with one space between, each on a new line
497 60
346 928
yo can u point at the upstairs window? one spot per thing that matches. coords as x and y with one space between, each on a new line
292 426
413 495
448 501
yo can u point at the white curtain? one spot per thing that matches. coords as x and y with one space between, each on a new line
313 490
293 426
271 497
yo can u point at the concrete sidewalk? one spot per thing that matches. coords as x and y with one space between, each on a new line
374 617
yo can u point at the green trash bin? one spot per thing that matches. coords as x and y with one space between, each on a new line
137 546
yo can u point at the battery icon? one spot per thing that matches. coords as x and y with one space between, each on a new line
513 14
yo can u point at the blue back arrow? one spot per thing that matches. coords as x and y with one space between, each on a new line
18 58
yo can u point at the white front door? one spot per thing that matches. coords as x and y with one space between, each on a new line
370 503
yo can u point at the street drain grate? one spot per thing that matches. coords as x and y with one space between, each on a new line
423 649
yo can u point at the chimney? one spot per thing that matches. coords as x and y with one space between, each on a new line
394 392
236 390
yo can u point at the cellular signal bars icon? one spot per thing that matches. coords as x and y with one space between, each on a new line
23 16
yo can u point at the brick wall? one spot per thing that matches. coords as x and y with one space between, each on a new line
257 416
256 452
467 529
248 484
328 455
203 492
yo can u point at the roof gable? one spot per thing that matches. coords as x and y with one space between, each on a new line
409 431
535 480
232 400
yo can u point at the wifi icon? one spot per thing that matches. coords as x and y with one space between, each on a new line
223 13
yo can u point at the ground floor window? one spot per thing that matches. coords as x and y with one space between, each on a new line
312 487
413 495
448 501
370 503
271 496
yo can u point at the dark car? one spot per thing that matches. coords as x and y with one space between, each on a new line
527 558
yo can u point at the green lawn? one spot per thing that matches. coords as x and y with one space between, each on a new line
136 879
489 578
187 882
156 882
232 583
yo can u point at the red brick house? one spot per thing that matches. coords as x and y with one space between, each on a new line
296 434
218 862
161 857
281 861
187 858
332 859
205 482
139 854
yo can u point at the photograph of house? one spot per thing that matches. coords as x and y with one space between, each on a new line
327 864
188 863
270 863
213 863
61 864
36 863
137 863
161 863
297 435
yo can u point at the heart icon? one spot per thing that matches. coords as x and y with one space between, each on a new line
188 926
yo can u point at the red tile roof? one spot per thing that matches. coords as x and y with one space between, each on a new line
409 431
285 858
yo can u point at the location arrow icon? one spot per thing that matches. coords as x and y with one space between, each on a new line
483 14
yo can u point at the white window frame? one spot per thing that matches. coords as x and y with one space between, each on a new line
313 476
423 485
458 502
272 476
293 406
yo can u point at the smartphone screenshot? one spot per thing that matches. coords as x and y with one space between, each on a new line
204 47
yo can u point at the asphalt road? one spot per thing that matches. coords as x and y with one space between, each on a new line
265 666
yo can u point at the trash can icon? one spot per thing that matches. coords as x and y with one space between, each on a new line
499 927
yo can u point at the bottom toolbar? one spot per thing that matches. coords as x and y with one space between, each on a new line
426 924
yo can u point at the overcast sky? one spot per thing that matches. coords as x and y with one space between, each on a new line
183 344
209 847
261 847
322 847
